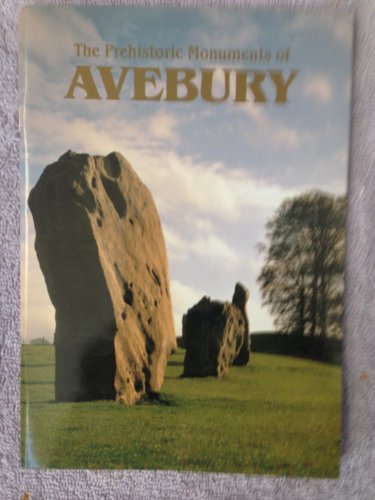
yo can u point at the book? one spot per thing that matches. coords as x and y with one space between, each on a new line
183 208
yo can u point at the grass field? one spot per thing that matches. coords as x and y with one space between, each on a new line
280 416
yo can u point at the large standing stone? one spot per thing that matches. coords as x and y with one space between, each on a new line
100 246
216 335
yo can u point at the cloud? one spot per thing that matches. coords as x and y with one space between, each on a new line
214 248
320 88
259 317
163 126
184 296
67 26
205 188
266 130
53 133
337 164
208 189
205 246
38 314
273 134
342 28
339 26
225 31
176 245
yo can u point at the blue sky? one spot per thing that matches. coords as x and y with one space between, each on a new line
217 171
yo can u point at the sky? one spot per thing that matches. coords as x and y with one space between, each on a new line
217 172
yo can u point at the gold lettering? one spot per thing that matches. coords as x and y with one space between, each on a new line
282 85
112 90
174 81
255 86
140 80
207 84
83 79
180 84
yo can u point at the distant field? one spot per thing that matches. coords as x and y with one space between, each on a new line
280 416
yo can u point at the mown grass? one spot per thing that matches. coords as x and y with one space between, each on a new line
281 415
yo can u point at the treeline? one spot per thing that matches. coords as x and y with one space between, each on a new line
328 350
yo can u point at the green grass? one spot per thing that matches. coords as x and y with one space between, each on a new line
279 416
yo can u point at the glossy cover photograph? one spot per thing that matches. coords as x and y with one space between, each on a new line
183 206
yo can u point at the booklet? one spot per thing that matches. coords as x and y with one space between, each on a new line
183 204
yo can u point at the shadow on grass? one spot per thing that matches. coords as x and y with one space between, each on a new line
36 382
39 402
157 399
175 363
154 399
36 365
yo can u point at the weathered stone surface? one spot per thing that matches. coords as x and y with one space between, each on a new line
216 335
240 298
100 246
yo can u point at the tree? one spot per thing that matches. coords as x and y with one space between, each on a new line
302 278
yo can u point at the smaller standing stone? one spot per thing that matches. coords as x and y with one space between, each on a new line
240 298
216 335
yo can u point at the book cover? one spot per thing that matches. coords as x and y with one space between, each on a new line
183 229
